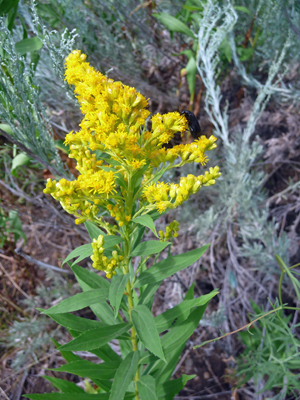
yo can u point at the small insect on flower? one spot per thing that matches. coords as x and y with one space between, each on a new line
194 126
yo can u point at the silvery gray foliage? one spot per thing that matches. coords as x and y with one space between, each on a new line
21 107
277 20
239 205
57 46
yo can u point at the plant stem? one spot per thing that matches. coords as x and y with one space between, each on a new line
128 285
133 335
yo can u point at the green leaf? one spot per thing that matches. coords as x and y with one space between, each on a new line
147 221
173 344
28 45
90 280
173 24
73 396
226 48
116 291
190 293
137 178
7 5
243 9
81 252
6 128
11 16
106 353
244 54
148 293
138 236
104 384
191 71
169 389
124 376
154 214
86 250
144 325
79 324
93 230
15 225
111 240
192 8
95 338
63 385
165 320
67 355
78 302
149 247
189 296
169 266
147 387
189 53
87 369
34 59
20 160
60 144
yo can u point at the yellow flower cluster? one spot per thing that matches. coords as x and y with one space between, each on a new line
171 231
85 194
117 212
103 263
118 159
192 152
114 118
165 195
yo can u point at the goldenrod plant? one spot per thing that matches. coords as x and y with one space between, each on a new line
121 164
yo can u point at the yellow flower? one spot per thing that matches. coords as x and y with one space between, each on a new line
119 161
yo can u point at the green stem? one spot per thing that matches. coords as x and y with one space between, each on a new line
128 285
133 335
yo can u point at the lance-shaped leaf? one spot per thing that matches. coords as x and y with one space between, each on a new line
93 230
86 250
148 294
150 247
79 324
178 336
67 355
169 389
78 302
28 45
169 266
116 291
90 280
147 221
80 253
124 376
191 72
144 325
74 396
165 320
63 385
87 369
173 344
174 24
147 387
95 338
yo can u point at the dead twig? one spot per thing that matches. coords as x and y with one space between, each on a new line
41 264
4 394
14 305
13 282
